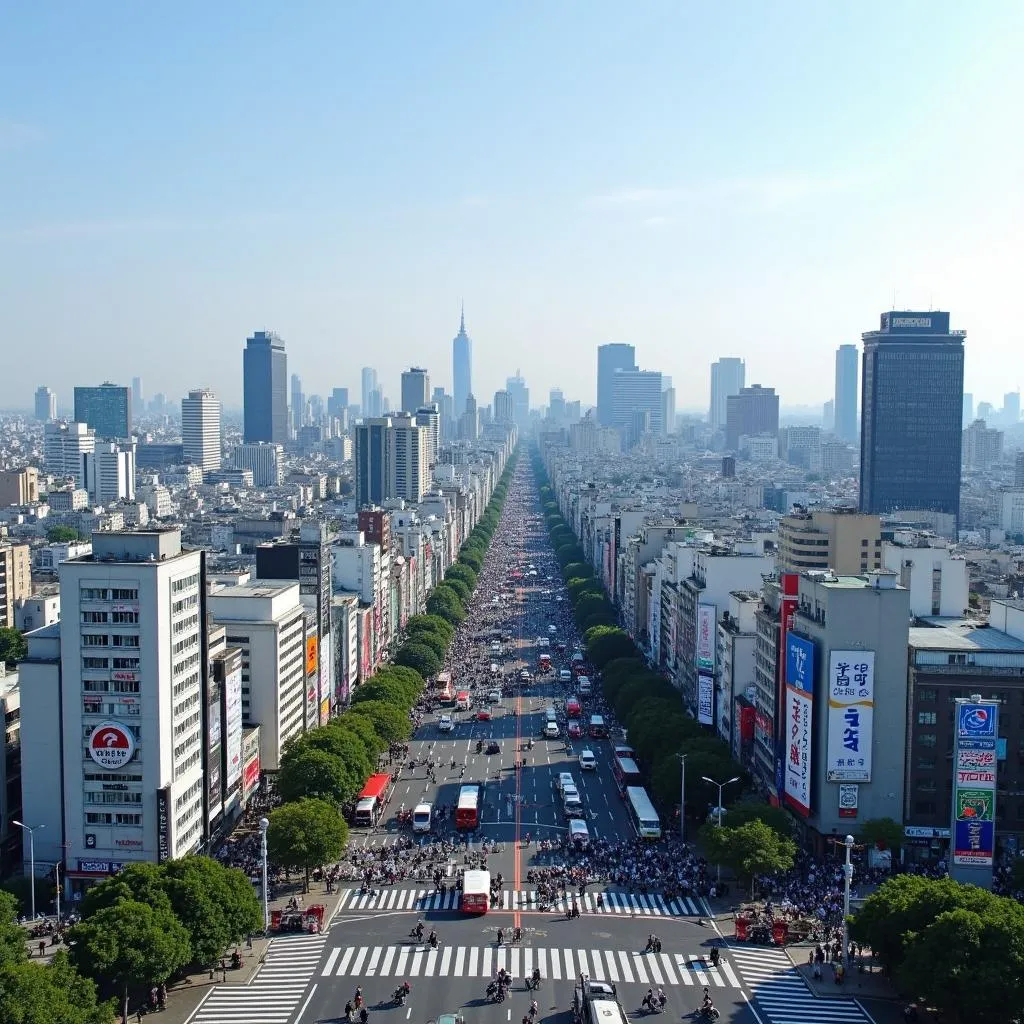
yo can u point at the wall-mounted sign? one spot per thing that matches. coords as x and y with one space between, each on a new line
111 745
851 709
706 637
163 824
849 795
705 700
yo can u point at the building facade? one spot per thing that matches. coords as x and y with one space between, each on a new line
637 391
415 389
264 460
65 446
107 410
845 407
265 389
15 579
201 429
752 411
19 487
610 359
841 540
45 404
728 377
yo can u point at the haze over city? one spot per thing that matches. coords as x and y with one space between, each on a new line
696 182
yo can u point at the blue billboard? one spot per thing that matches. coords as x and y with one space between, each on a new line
799 663
976 721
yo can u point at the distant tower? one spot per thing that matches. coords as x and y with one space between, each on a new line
845 407
298 402
462 366
610 358
46 404
265 395
200 429
728 377
415 389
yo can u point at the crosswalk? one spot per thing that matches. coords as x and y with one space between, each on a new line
782 996
555 963
274 993
625 903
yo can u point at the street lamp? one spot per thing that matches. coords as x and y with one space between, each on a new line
264 825
682 797
31 830
718 808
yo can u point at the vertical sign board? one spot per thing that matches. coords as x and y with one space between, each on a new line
789 601
975 762
232 729
851 708
706 638
326 671
163 824
799 656
849 797
705 699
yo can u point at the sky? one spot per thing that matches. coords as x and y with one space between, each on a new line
755 180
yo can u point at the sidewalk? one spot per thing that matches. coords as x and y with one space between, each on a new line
869 983
185 994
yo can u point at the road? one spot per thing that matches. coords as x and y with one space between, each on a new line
369 942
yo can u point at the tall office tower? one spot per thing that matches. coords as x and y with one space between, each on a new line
65 446
114 738
503 410
846 394
107 409
263 459
1011 408
200 429
45 404
828 415
968 408
728 377
753 411
986 412
668 410
373 460
912 387
110 472
981 447
15 579
637 391
137 404
462 366
410 466
469 421
298 403
1018 471
415 389
446 406
368 380
429 418
556 404
265 370
520 393
610 359
337 403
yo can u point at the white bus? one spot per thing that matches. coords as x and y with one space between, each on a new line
476 892
645 818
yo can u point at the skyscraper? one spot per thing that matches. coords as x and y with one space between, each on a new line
200 429
520 393
110 471
415 389
503 411
410 466
912 388
65 446
337 402
137 394
610 358
462 366
298 402
373 460
755 410
1011 408
107 409
968 408
371 394
46 404
846 394
728 377
265 397
429 417
638 391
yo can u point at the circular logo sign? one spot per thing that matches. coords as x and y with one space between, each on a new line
111 745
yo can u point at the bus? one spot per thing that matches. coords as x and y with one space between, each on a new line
626 773
545 662
467 810
476 892
443 685
598 727
373 799
645 818
463 701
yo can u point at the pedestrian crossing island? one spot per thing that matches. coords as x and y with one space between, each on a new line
627 904
554 963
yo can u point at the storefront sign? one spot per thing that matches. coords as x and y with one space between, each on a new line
111 745
100 867
851 708
251 777
125 677
163 824
924 832
705 700
128 844
849 795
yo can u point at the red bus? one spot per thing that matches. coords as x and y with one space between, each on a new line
545 662
573 708
626 774
443 685
467 810
373 799
476 892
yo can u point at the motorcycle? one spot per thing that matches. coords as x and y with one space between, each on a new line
400 995
710 1012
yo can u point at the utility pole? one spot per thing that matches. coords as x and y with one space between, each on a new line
682 797
847 880
264 825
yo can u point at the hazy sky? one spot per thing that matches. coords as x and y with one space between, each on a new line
700 180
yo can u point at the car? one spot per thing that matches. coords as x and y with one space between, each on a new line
587 760
483 715
564 676
572 804
551 731
494 696
578 832
493 748
564 780
446 724
552 629
525 676
574 729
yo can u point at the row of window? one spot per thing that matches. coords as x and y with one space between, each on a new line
121 618
183 604
110 777
113 640
181 646
185 583
104 594
108 686
96 706
106 818
117 797
181 667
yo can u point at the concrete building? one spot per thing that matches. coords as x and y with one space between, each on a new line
410 460
112 729
759 447
841 540
516 387
503 411
45 404
19 487
936 579
753 411
982 446
65 446
415 389
637 391
265 619
107 410
15 579
264 460
265 398
373 453
201 429
734 676
34 612
846 394
429 417
110 472
298 404
728 377
462 368
1011 510
610 359
10 771
68 499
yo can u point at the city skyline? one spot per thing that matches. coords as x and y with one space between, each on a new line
563 205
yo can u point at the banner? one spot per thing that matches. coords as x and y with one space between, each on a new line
798 764
233 729
163 824
705 700
851 709
706 640
975 763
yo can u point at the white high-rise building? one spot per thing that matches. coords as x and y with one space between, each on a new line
110 472
200 429
264 459
415 389
636 391
410 465
112 728
728 377
65 446
429 417
45 404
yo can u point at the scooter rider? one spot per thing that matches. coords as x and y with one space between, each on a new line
418 932
707 1006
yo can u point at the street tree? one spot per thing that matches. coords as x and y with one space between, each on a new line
129 945
305 835
53 993
360 727
445 603
12 935
460 588
751 850
435 641
609 643
140 882
384 688
742 811
883 833
338 741
430 623
420 657
391 724
462 572
308 772
13 646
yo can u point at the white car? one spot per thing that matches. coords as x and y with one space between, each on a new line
587 760
494 696
446 724
551 731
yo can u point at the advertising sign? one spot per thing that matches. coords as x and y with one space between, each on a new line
705 700
975 763
799 662
326 683
849 794
163 824
311 662
251 777
233 729
798 763
213 721
111 745
973 843
706 637
851 709
976 721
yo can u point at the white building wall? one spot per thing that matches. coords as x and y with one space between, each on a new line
938 581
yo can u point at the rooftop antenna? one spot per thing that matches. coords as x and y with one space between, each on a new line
894 298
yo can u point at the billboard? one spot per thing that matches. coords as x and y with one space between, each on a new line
849 797
799 662
705 700
326 681
851 709
311 662
799 722
111 745
163 824
705 638
233 728
975 764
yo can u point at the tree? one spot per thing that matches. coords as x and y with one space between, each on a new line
430 623
743 811
884 833
391 724
420 657
752 849
445 602
644 684
12 935
306 771
13 646
54 993
471 558
61 534
461 589
604 647
305 835
384 688
435 641
129 944
141 882
358 728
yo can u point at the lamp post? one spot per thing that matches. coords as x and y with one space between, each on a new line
264 825
847 880
682 797
718 808
31 830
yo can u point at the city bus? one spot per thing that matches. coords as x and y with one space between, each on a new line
598 727
645 818
626 773
476 892
373 799
467 810
545 662
443 685
463 701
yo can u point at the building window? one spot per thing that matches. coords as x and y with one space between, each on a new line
93 594
93 617
124 617
95 663
927 717
125 595
926 739
924 807
925 763
98 818
926 693
925 786
94 640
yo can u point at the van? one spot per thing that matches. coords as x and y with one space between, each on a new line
587 760
584 686
551 731
564 676
550 715
421 817
578 832
565 779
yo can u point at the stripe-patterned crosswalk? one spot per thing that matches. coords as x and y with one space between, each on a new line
782 996
612 902
274 994
556 963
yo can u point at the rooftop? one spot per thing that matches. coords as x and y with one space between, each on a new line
253 588
956 634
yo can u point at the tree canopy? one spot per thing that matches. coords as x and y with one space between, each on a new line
305 835
420 656
13 646
53 993
750 850
389 722
307 771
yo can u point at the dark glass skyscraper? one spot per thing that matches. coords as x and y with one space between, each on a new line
265 370
107 409
616 356
912 386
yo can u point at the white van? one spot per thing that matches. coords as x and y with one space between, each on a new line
564 676
421 817
551 731
578 832
565 779
584 686
550 715
587 760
